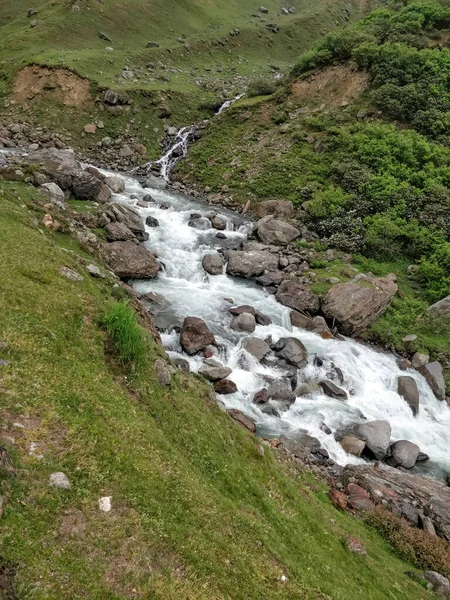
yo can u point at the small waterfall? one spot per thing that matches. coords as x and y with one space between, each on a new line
179 149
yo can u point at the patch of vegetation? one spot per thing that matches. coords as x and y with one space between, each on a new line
197 511
130 345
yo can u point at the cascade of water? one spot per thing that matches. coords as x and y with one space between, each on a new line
179 148
369 377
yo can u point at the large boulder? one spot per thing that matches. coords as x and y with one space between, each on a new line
297 296
225 386
132 261
440 309
376 435
301 437
403 454
352 445
277 208
281 391
331 389
213 370
86 186
195 335
118 232
256 347
212 263
356 304
292 351
116 184
250 264
407 388
434 376
274 232
128 216
242 419
244 322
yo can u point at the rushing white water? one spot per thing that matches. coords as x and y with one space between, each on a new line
370 377
180 147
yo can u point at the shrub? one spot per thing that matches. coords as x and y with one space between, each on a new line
411 544
434 273
129 341
261 87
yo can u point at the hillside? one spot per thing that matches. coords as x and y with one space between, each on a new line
199 509
357 139
200 54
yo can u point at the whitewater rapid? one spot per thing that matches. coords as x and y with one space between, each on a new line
370 377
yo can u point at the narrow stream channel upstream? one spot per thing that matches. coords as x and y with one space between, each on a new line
369 377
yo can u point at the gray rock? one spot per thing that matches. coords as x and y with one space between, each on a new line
281 391
54 192
420 360
214 372
162 372
407 388
244 308
212 263
111 97
297 296
182 364
151 222
195 335
225 386
331 389
201 223
292 351
440 309
277 208
118 232
59 480
250 264
274 232
261 396
70 274
262 320
242 419
434 376
403 454
94 271
256 347
218 223
352 445
128 216
157 183
303 389
85 186
132 261
306 440
376 435
244 322
440 584
116 184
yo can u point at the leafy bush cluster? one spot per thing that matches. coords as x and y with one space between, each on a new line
411 79
413 545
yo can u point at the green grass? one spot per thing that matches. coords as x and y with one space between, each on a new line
121 324
197 513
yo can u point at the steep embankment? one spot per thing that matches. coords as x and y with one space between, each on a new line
362 182
198 509
169 60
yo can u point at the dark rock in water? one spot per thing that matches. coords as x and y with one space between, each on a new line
148 198
225 386
331 389
261 397
221 236
151 222
218 223
407 388
214 371
201 223
403 454
195 335
244 322
243 420
324 427
132 261
118 232
245 308
250 264
353 445
305 440
318 362
433 373
212 263
270 278
422 457
293 351
256 347
85 186
281 391
262 319
297 296
376 435
270 411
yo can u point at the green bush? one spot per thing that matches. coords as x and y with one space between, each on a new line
261 87
434 273
128 339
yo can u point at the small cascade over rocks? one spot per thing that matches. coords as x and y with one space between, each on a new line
179 148
285 380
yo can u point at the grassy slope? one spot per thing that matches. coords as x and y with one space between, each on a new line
197 511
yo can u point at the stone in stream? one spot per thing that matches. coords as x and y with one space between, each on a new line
151 221
225 386
85 186
128 216
271 278
292 351
297 296
420 360
403 454
218 223
407 388
242 419
262 320
376 435
352 445
302 437
132 261
212 263
250 264
245 322
331 389
213 370
256 347
195 335
271 411
435 378
116 184
244 308
148 198
281 391
356 304
201 223
276 233
261 397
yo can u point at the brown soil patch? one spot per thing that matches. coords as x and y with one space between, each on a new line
34 83
334 86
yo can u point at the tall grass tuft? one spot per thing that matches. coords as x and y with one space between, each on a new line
130 344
